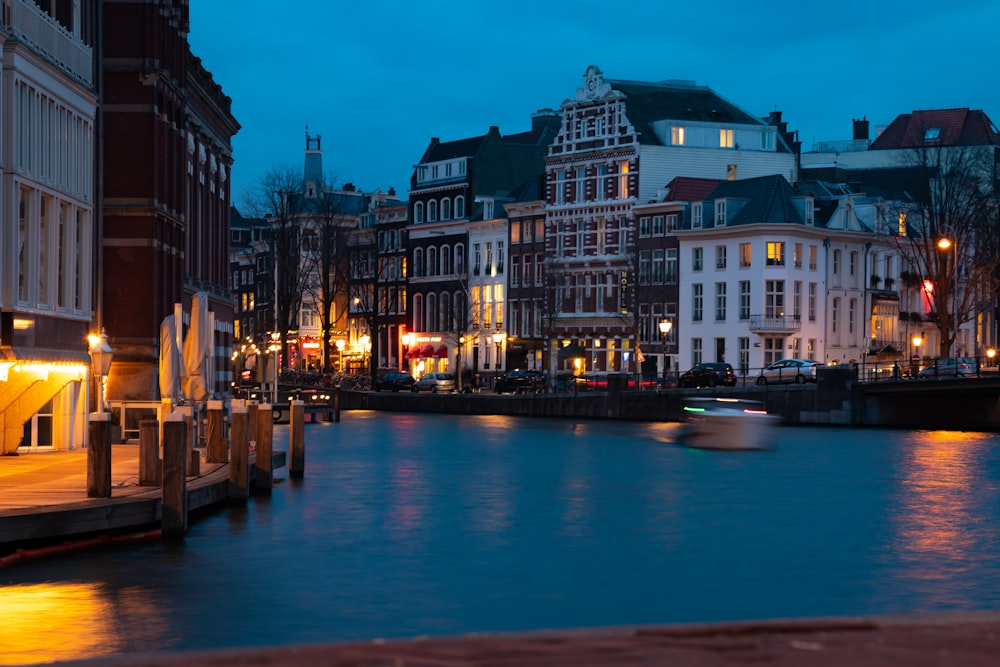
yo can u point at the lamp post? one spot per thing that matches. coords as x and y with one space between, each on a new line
366 346
100 357
947 244
458 364
407 343
915 359
498 339
340 355
665 327
275 348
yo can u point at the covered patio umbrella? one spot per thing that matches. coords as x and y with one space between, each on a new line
196 350
171 364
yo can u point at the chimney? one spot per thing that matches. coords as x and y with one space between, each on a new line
860 129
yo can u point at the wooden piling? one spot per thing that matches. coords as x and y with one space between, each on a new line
175 459
336 404
264 466
99 455
216 443
297 445
149 452
239 455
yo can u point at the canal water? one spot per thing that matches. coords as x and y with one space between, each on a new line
412 524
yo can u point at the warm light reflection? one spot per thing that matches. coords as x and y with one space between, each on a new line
938 524
83 617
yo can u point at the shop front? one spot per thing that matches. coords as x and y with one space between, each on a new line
425 353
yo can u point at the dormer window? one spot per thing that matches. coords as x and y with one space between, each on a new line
932 134
677 136
810 211
720 212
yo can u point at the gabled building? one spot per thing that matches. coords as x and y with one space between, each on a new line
457 239
620 142
771 272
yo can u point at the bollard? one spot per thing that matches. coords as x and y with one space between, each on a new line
239 454
336 404
264 472
297 445
216 443
149 452
175 457
99 455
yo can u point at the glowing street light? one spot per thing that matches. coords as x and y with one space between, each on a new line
100 356
665 327
946 244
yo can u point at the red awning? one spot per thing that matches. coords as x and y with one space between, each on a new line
442 353
413 353
427 351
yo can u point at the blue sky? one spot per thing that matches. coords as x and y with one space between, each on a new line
377 80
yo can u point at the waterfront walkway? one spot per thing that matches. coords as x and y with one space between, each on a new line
37 487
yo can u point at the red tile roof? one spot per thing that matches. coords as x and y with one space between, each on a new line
686 188
956 127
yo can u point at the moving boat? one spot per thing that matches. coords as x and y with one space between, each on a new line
727 423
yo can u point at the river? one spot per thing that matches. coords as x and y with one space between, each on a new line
410 524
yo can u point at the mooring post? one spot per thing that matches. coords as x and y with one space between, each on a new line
239 471
175 458
336 404
216 444
99 455
149 452
297 445
190 420
264 473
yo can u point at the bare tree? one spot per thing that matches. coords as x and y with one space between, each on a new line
277 197
950 236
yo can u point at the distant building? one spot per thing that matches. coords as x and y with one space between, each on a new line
621 142
167 130
48 251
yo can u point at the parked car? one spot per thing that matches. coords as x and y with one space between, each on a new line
435 383
709 374
798 371
394 381
520 382
949 367
571 384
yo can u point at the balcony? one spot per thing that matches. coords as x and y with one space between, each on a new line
30 24
783 324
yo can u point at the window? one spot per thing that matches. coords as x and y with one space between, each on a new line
797 300
774 299
432 262
775 253
720 257
459 259
813 257
745 254
932 134
500 257
418 262
696 215
836 262
670 276
528 272
515 233
797 255
720 212
602 189
446 209
744 313
432 211
645 262
720 302
476 258
623 174
834 316
901 225
697 305
677 136
580 184
560 187
658 266
725 138
852 312
540 229
644 227
658 227
460 206
697 256
695 351
539 260
672 222
743 346
526 230
488 266
446 269
812 302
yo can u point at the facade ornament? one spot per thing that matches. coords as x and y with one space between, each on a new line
594 86
190 144
212 164
201 154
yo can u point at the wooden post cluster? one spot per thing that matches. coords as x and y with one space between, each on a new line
216 451
99 455
150 472
239 454
264 465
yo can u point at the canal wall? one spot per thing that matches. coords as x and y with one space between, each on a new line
836 398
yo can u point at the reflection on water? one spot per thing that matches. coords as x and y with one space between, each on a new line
54 622
409 524
941 527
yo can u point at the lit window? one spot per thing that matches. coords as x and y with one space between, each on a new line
677 136
725 138
775 253
902 224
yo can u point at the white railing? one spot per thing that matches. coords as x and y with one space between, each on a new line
30 24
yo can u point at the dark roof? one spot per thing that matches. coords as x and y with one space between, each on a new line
956 127
448 150
687 188
766 199
646 103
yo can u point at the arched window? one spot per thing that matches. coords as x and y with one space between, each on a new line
460 310
446 209
445 310
432 211
446 269
459 207
418 312
431 311
418 212
459 259
418 262
432 261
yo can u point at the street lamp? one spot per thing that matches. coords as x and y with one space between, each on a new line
100 356
665 327
275 347
340 354
915 359
947 244
498 339
991 355
407 343
458 364
366 346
